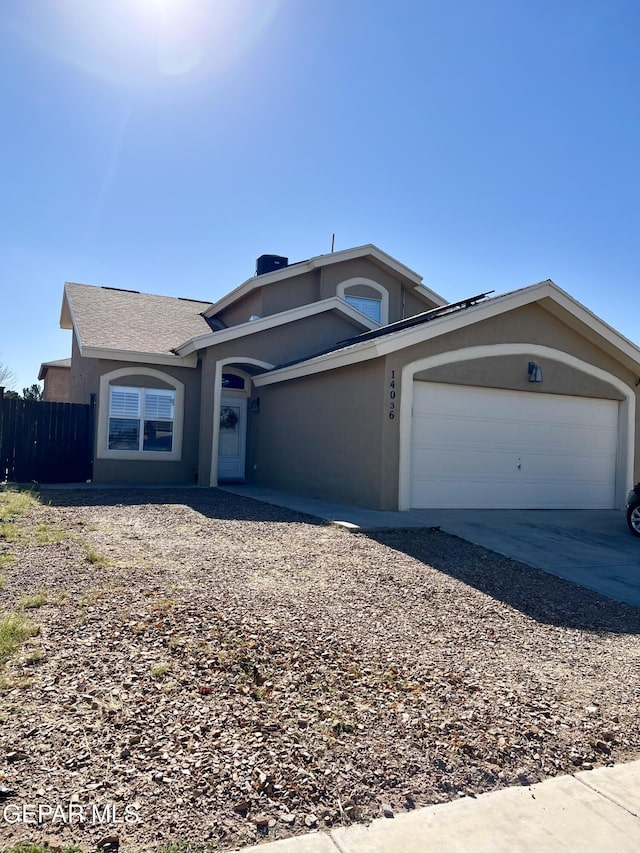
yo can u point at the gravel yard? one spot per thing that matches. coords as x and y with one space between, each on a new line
229 671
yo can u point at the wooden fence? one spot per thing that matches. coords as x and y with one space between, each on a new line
45 442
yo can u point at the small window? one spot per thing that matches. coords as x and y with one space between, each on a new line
367 296
141 419
371 308
231 381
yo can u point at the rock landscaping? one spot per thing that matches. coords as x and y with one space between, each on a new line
200 672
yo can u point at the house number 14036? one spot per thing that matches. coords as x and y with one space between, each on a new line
392 396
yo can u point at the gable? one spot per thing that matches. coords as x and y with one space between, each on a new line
279 298
352 280
530 324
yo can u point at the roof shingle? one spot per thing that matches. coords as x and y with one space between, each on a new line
108 318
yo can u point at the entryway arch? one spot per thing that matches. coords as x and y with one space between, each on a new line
235 399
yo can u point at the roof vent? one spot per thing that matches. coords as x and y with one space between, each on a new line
270 263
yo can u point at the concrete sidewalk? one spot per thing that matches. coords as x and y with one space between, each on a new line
596 811
349 516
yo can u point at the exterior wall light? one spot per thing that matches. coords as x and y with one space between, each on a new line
535 372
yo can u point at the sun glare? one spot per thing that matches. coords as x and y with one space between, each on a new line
139 42
163 6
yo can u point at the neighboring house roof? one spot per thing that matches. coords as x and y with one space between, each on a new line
369 251
61 362
432 324
112 323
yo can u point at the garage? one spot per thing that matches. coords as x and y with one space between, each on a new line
493 448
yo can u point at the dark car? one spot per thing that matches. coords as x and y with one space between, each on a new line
633 510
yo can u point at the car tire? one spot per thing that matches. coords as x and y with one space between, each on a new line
633 518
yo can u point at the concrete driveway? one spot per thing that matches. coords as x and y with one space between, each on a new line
593 548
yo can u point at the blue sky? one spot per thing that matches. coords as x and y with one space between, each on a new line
162 145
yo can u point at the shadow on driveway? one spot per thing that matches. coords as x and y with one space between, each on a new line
544 597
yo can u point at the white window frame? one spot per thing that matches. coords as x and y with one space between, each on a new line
109 381
142 415
364 304
344 286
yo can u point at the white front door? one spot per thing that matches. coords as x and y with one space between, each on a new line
232 438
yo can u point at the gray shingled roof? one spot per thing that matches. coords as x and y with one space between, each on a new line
60 362
107 318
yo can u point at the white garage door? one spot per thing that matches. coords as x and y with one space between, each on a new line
481 447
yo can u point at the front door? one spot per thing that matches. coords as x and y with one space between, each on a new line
232 438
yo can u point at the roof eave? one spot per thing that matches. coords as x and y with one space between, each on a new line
627 352
66 315
164 358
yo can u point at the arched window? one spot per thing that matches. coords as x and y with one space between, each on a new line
366 296
233 382
140 415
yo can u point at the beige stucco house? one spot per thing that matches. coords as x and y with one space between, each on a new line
56 379
345 377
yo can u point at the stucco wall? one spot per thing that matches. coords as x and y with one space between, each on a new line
280 345
291 341
57 385
290 293
510 372
414 304
322 435
243 309
84 375
274 297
